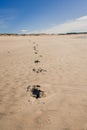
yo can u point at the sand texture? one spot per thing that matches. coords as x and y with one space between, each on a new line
57 65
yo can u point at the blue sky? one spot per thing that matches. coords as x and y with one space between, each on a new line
43 16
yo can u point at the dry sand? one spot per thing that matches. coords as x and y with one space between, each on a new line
63 78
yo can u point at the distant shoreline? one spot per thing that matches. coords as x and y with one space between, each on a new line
14 34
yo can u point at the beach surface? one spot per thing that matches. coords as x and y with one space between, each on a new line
55 63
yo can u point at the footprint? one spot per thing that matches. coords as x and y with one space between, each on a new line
8 52
36 52
35 91
34 43
36 61
66 129
36 70
39 70
41 56
35 48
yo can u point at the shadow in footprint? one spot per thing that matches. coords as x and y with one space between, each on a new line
39 70
35 48
36 61
36 52
35 91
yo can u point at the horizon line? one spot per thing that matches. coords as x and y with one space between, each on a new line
43 33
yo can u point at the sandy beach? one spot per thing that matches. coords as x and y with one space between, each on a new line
58 65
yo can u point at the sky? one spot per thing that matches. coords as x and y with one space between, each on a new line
43 16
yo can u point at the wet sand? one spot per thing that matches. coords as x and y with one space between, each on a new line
58 65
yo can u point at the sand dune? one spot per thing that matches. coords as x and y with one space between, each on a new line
43 82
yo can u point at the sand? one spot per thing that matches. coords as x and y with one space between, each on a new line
61 73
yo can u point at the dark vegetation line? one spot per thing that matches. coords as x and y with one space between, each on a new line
15 34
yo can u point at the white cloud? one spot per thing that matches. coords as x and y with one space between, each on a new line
76 25
83 18
24 31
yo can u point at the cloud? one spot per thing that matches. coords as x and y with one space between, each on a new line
76 25
24 31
